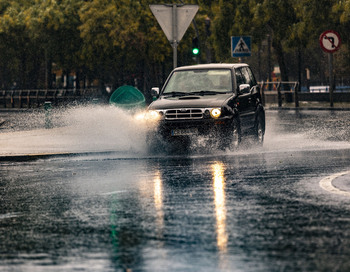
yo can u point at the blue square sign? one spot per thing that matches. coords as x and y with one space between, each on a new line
241 46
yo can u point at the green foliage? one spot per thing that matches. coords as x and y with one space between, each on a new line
120 35
116 40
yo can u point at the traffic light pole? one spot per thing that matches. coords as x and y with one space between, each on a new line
174 42
198 43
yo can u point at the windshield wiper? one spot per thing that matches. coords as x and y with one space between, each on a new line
175 94
204 92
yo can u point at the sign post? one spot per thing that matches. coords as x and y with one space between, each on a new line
330 42
174 19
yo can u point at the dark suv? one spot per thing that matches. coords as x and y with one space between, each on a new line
220 102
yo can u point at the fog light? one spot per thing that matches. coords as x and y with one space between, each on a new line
206 114
215 113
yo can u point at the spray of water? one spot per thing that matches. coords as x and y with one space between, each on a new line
105 128
76 129
301 133
102 128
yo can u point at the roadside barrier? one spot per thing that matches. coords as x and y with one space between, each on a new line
37 98
286 92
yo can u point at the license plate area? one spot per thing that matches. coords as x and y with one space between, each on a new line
184 131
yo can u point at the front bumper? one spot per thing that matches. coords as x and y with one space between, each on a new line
194 128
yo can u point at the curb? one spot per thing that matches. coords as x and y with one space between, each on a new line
43 156
18 109
337 184
308 108
33 157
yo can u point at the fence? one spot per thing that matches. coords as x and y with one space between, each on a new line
36 98
271 92
285 90
289 92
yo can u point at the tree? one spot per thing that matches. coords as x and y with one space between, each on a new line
53 27
341 11
222 26
13 42
37 33
120 41
278 18
122 38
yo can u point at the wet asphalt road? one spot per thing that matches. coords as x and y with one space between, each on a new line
257 209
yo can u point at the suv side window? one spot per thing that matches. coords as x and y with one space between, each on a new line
252 77
248 76
239 77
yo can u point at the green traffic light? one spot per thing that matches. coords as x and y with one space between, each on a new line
195 51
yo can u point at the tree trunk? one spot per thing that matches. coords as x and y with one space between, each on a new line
277 46
23 81
48 71
146 82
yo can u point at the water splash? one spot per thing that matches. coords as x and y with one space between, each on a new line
99 128
295 131
75 129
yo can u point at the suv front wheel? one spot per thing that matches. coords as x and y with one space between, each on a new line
232 139
259 130
236 134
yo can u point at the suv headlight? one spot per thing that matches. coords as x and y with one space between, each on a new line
149 116
215 113
153 115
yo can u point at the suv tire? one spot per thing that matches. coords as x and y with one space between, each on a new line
232 139
236 134
259 130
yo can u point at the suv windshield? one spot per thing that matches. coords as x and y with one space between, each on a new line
202 82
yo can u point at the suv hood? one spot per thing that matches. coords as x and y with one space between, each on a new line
193 101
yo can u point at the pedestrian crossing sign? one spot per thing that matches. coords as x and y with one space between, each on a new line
241 46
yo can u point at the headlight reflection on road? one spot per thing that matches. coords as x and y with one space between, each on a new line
158 201
220 209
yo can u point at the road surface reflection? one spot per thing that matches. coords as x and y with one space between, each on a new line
258 209
220 209
158 202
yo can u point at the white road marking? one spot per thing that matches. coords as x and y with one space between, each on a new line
9 215
114 192
327 185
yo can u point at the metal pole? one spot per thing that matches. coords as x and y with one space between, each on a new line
174 43
331 83
259 62
269 56
296 96
263 93
208 33
297 86
279 95
199 43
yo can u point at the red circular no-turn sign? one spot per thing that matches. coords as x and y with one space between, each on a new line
330 41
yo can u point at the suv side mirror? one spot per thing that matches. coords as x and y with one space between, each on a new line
155 92
244 88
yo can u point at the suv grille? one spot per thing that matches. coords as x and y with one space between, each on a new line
180 114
